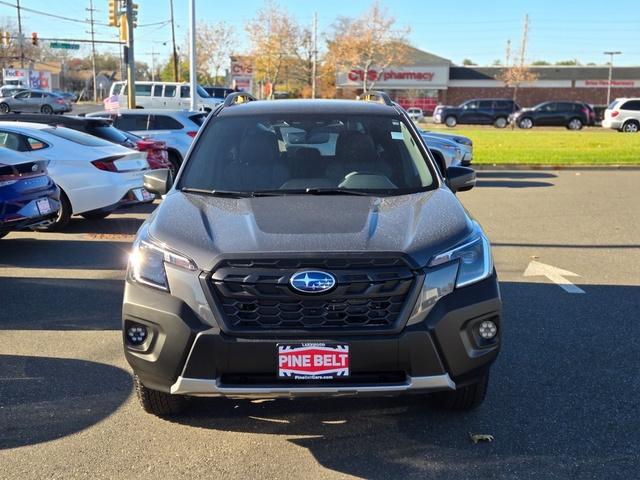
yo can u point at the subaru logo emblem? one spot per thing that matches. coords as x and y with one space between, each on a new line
310 281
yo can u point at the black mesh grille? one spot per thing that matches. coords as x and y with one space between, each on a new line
255 295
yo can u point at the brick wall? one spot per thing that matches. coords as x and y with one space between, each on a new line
527 97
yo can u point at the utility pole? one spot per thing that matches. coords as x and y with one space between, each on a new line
523 42
131 63
193 80
20 36
314 65
93 50
611 54
508 53
173 39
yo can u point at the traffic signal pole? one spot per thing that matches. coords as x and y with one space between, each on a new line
131 64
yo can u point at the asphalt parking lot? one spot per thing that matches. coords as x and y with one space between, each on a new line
564 395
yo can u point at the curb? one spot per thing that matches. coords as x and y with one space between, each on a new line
520 166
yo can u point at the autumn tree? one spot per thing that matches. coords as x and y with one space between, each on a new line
274 37
372 41
215 43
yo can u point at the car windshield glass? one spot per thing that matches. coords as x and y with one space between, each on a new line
202 92
77 137
307 153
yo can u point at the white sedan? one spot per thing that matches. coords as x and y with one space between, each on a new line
95 176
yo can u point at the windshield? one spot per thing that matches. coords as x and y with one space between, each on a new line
294 154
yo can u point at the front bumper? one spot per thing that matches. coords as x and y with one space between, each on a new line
186 351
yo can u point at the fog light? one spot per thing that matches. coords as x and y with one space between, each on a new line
488 329
137 334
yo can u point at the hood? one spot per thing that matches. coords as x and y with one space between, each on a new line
206 228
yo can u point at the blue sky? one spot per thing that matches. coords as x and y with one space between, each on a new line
559 30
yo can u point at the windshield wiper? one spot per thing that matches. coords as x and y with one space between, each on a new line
229 193
337 191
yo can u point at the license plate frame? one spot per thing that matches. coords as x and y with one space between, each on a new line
44 206
313 361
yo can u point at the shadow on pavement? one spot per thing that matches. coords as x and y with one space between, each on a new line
46 253
47 398
109 226
562 403
60 304
512 183
514 175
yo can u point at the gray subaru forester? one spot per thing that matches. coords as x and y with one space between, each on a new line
310 247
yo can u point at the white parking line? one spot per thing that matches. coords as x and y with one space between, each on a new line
65 273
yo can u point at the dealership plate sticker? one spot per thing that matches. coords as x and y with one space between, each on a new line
313 361
44 206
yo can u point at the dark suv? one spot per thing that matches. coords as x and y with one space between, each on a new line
490 111
572 115
310 247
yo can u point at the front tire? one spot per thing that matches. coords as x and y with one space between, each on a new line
175 161
631 126
64 215
464 398
501 122
451 121
525 123
158 403
4 108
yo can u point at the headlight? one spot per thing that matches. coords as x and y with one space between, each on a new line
473 258
147 259
456 268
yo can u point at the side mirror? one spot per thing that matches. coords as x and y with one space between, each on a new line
460 179
158 181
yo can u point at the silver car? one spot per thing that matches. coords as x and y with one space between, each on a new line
34 101
177 128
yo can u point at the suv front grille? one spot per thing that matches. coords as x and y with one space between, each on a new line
256 295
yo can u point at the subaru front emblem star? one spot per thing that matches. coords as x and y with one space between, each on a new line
310 281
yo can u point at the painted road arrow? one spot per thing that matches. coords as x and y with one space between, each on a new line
555 274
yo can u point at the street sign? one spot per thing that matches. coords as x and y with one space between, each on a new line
65 45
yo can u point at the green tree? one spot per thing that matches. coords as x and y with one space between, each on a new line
467 62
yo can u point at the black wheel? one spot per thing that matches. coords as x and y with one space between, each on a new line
465 398
158 403
501 122
451 121
631 126
575 124
4 108
64 215
95 215
525 123
46 109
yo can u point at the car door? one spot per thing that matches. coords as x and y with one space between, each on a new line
20 102
184 101
469 112
484 113
157 99
544 115
169 97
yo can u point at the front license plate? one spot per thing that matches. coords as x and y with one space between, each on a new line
313 361
44 206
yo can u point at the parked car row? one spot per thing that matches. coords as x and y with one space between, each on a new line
623 114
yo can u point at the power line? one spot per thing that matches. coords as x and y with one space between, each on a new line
51 15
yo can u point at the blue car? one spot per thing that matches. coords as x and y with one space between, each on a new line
28 196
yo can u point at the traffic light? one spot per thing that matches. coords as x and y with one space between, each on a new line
113 12
124 31
134 14
34 39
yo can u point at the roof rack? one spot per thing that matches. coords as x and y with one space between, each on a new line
238 97
376 96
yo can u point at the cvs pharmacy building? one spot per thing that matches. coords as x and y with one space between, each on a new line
415 84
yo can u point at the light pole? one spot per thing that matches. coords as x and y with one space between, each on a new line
611 54
192 53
